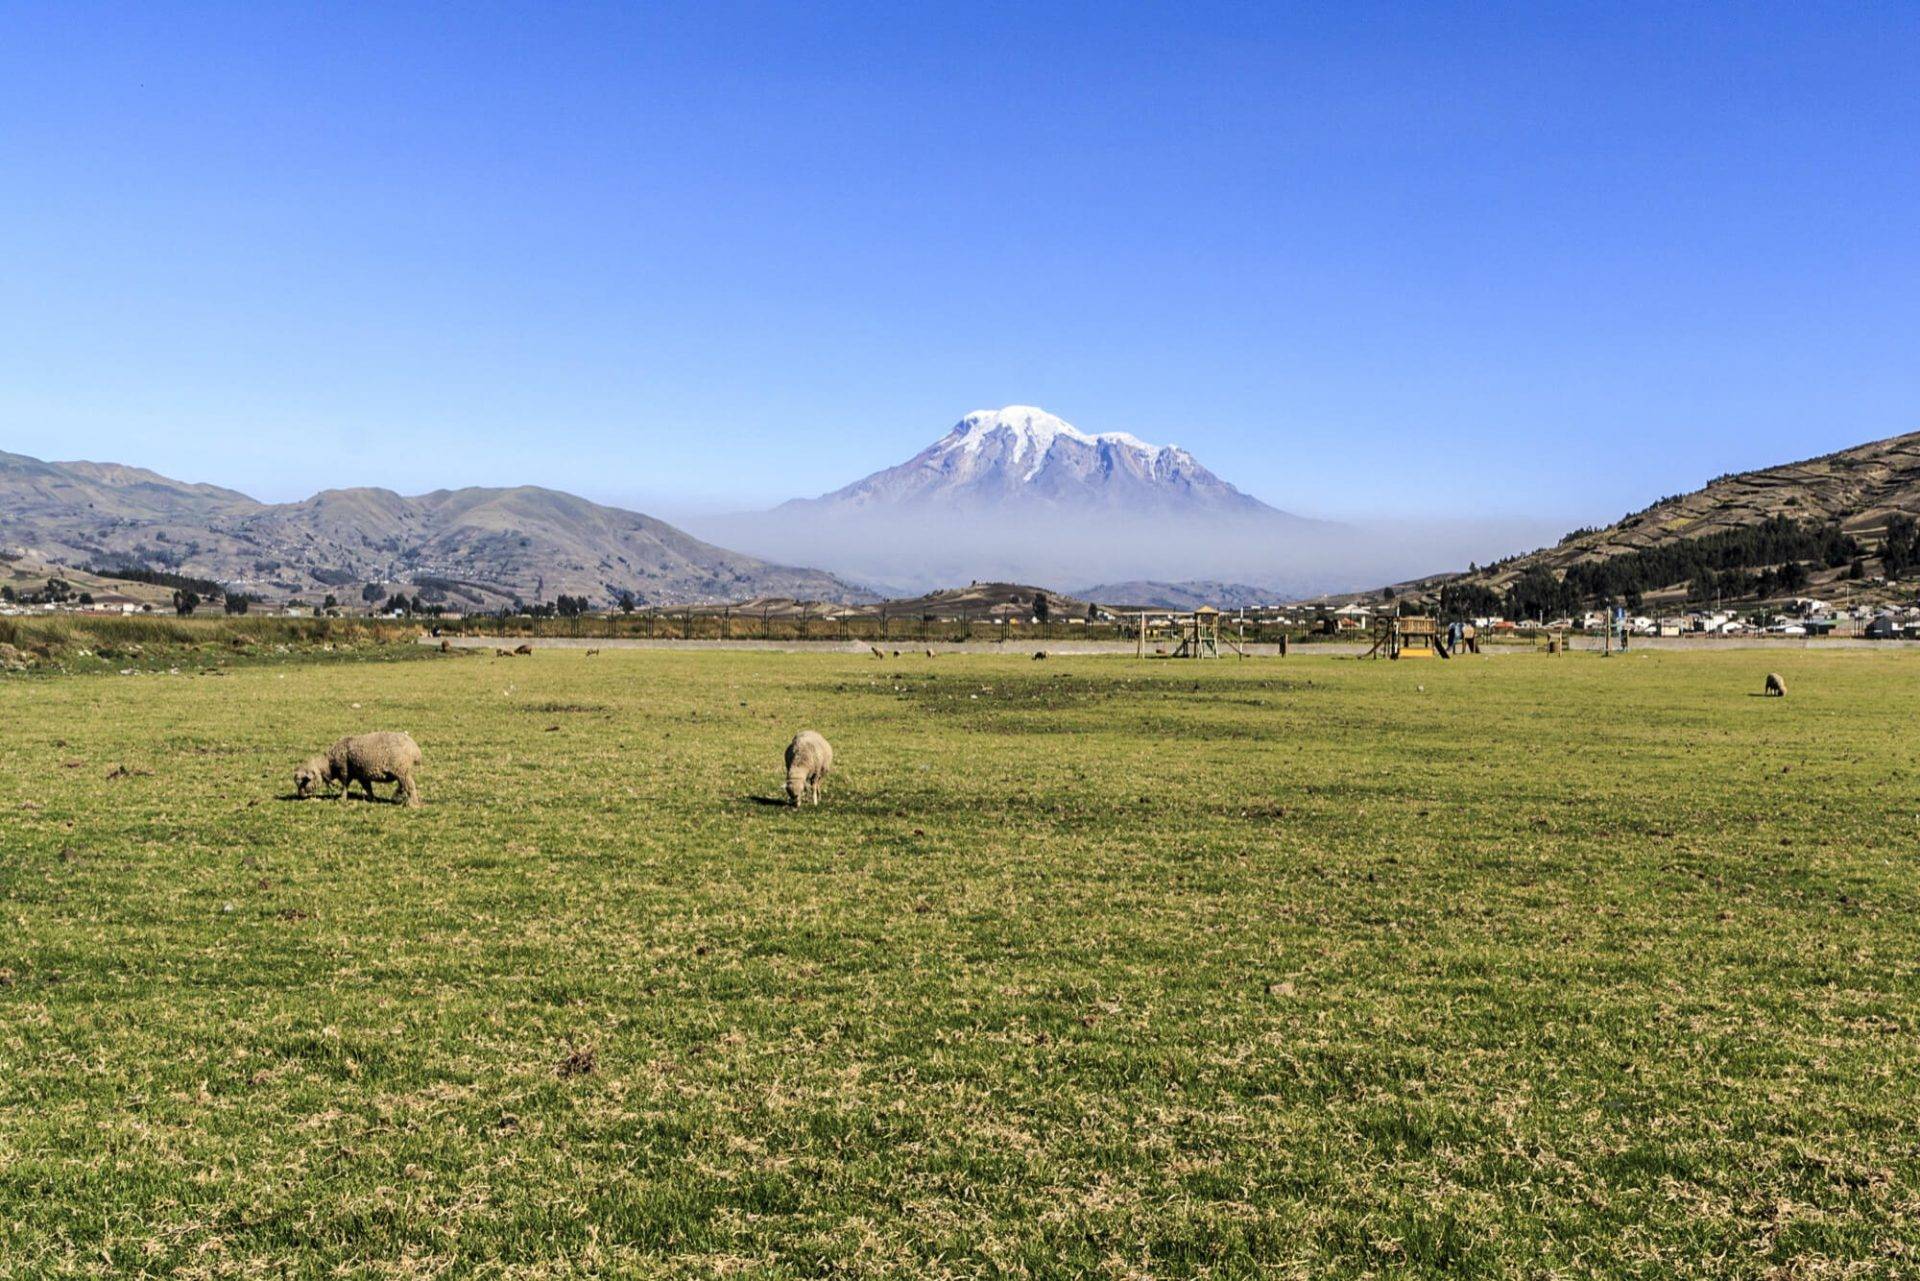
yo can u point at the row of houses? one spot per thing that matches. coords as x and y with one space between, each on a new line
114 605
1803 616
110 604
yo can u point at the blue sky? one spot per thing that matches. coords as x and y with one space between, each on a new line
1545 260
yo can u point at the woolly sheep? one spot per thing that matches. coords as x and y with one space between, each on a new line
366 759
877 651
809 760
1776 687
523 649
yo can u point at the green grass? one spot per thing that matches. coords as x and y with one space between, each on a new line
1558 966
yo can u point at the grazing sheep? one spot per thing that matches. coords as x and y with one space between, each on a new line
1776 687
502 653
366 759
314 775
929 653
446 647
809 760
1039 654
592 653
877 651
523 648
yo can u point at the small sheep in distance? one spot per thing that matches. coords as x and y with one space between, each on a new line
592 653
523 648
384 757
809 761
1776 686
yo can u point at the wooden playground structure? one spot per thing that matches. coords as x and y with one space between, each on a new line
1398 638
1190 633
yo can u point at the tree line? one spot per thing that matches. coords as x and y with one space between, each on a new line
1771 557
204 587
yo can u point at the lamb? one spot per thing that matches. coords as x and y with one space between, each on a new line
809 760
1776 687
366 759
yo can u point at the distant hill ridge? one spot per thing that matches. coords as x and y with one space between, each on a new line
1845 515
1188 595
471 548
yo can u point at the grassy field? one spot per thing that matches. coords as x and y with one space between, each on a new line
1510 966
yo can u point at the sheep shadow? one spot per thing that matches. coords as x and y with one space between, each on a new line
341 796
780 802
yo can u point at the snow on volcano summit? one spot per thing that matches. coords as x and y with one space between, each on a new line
1032 431
1022 455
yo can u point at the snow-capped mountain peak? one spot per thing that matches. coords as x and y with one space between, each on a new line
1021 456
1032 432
1020 495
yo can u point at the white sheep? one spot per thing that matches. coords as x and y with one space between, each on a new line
809 761
366 759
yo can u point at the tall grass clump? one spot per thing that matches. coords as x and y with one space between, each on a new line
70 638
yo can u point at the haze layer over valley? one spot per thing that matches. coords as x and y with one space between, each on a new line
1020 494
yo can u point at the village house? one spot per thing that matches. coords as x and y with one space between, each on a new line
1886 627
112 603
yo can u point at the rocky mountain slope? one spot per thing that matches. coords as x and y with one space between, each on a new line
1841 505
26 577
471 548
